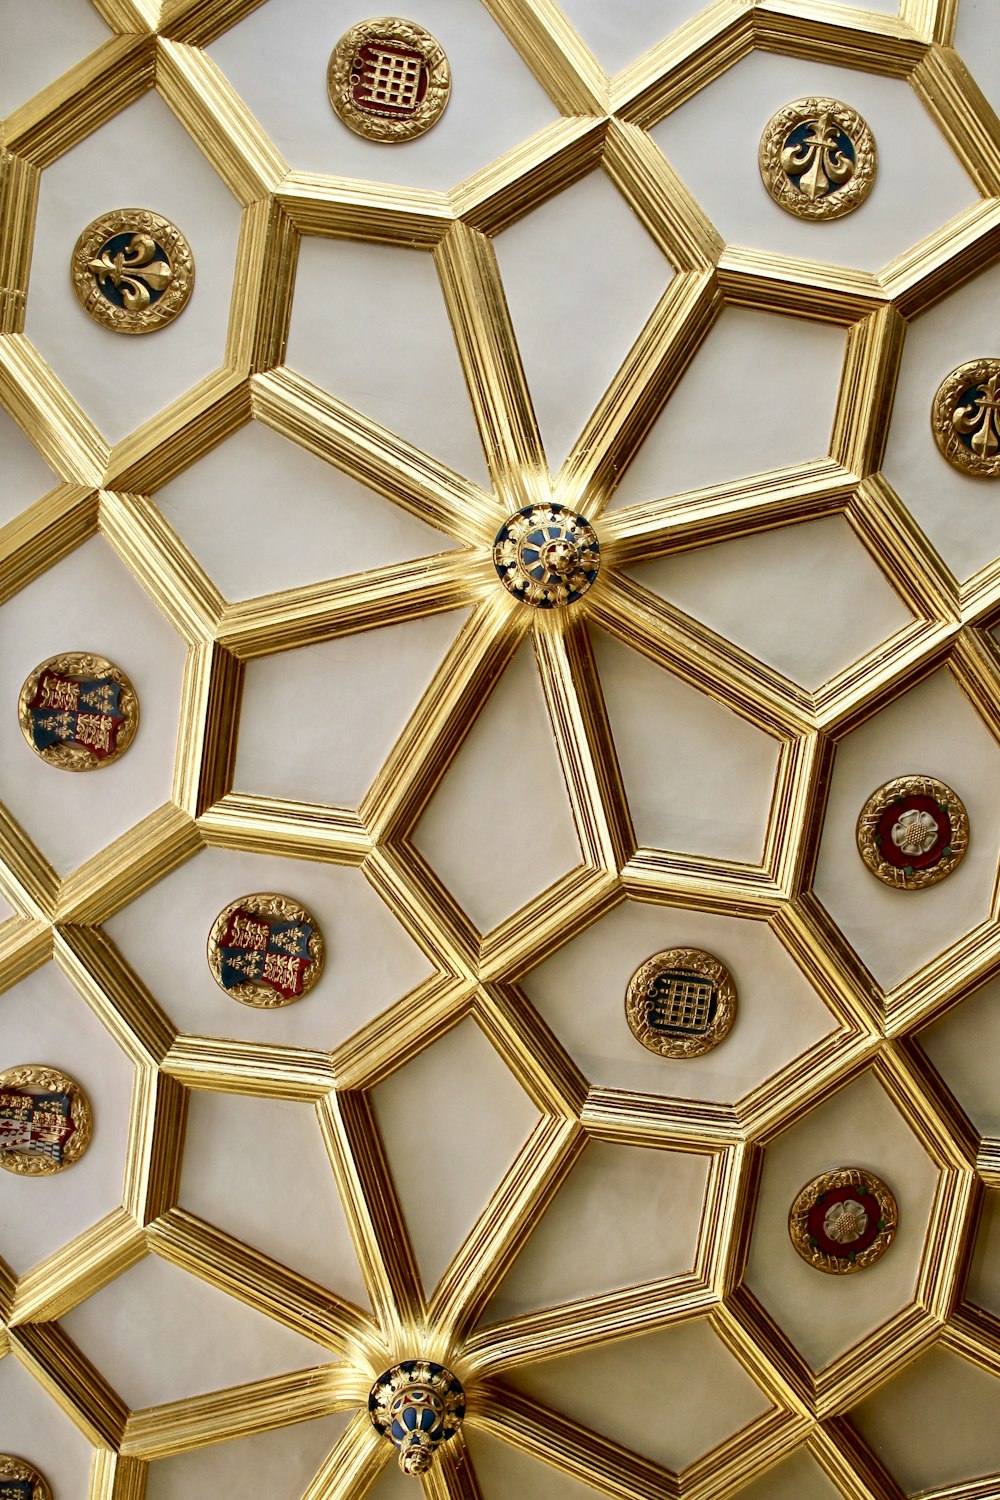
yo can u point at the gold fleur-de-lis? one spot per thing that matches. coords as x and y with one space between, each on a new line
134 270
820 161
982 418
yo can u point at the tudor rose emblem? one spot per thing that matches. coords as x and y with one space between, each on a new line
843 1221
912 832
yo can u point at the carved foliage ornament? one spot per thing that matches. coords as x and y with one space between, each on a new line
388 79
132 270
78 712
546 555
681 1002
418 1405
843 1221
965 418
912 832
265 950
817 158
19 1481
45 1120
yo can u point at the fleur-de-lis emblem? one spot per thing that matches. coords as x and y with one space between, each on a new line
981 418
818 161
135 270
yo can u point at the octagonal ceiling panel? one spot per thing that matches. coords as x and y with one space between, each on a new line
24 475
33 1423
982 1286
282 1462
976 40
503 1470
962 1045
798 1478
40 42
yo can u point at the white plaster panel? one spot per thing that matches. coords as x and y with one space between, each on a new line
89 602
361 690
40 41
918 187
479 830
370 961
807 599
933 730
683 757
391 1484
963 1046
225 508
496 1118
573 331
143 158
38 1430
670 1396
954 509
724 421
976 39
580 992
798 1478
937 1423
384 345
825 1315
579 1249
204 1339
278 1464
503 1470
258 1169
983 1284
277 61
44 1020
24 474
618 34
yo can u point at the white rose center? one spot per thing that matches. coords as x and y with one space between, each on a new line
845 1221
914 832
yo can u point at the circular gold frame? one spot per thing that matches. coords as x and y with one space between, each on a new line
77 757
277 908
698 962
369 125
12 1467
46 1080
871 814
175 296
798 1220
842 200
943 409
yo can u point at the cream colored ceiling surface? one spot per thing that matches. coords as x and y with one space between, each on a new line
276 515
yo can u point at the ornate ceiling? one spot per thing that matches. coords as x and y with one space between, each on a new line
277 516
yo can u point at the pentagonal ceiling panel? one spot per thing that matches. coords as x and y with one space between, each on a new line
223 508
277 60
370 961
503 1471
496 1118
683 756
977 41
46 1021
798 1478
962 1045
937 1423
89 602
349 699
951 507
24 474
670 1396
580 992
477 830
143 158
807 599
282 1463
826 1315
769 423
237 1154
384 345
204 1339
931 730
40 42
983 1284
574 331
39 1431
579 1250
919 185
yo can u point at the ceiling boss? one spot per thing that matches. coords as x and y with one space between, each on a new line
546 555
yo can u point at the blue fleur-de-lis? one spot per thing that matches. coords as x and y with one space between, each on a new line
134 270
817 162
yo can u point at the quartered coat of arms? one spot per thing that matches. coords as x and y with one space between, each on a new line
78 712
265 950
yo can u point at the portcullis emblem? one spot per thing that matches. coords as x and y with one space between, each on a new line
132 270
817 158
78 712
388 79
912 832
681 1002
965 418
19 1481
265 950
45 1120
547 555
843 1221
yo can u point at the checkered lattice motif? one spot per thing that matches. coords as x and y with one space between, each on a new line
680 1001
391 79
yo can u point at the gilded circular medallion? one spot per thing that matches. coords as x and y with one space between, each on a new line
681 1002
78 712
843 1221
45 1120
912 832
265 950
817 158
388 79
132 270
546 555
965 418
20 1481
